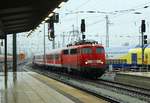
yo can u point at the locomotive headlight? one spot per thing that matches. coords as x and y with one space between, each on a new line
99 61
88 61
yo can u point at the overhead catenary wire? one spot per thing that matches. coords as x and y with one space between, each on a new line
117 13
83 4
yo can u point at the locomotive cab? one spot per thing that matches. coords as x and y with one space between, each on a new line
89 58
92 59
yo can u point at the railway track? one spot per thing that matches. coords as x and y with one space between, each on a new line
140 93
110 91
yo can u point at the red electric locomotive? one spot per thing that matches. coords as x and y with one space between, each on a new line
84 57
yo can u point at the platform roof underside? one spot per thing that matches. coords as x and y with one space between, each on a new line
18 16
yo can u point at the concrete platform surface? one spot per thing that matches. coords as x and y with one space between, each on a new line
139 79
142 74
21 87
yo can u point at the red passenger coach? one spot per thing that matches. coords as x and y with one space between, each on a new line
54 58
85 57
38 60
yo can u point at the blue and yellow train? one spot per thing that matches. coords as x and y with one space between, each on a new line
128 57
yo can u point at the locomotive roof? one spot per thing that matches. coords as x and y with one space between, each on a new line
59 50
84 45
76 44
82 42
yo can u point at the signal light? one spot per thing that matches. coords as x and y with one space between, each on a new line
56 18
51 29
82 25
143 27
83 36
145 39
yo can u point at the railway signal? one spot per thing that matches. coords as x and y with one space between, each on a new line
83 28
82 25
53 19
51 29
143 27
145 39
56 17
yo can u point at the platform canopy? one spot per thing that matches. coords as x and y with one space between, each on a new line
18 16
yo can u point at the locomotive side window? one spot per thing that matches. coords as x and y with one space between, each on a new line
66 51
86 50
73 51
99 50
56 56
49 57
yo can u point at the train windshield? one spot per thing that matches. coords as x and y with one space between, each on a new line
86 50
99 50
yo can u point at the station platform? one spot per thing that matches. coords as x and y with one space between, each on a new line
31 87
139 79
22 88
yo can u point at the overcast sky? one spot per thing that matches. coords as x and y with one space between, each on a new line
124 23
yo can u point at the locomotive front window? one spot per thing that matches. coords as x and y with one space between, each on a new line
86 50
99 50
56 56
73 51
66 52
